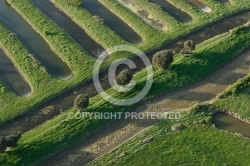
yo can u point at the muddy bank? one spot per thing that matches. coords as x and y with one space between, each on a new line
173 11
102 141
201 6
65 101
112 21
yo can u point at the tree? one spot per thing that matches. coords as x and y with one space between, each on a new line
162 59
189 45
124 77
81 101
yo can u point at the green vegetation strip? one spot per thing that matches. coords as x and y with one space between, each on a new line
236 99
153 39
44 87
78 60
157 11
61 131
102 33
198 143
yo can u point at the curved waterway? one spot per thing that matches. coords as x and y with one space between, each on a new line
11 77
173 11
112 21
200 5
65 101
76 32
33 42
227 122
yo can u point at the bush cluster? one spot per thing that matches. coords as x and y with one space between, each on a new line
124 77
162 59
81 101
189 46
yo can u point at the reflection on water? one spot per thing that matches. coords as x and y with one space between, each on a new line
33 42
11 78
112 21
232 124
200 5
173 11
76 32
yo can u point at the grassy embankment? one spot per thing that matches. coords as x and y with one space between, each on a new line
42 84
199 143
153 39
77 58
236 99
176 30
44 87
146 16
148 33
61 132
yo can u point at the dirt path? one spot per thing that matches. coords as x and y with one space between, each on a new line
41 114
101 142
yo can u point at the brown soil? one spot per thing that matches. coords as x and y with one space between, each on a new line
102 142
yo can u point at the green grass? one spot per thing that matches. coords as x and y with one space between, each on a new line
55 134
65 47
200 143
99 34
159 13
236 99
197 144
43 85
153 39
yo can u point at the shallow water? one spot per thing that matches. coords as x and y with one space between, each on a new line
65 101
200 5
112 21
232 124
173 11
76 32
11 77
147 17
33 42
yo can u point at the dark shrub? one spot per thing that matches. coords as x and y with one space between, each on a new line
185 51
10 140
2 147
76 3
81 101
124 77
162 59
189 45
